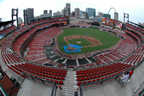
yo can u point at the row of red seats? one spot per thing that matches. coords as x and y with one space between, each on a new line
137 38
39 71
9 57
134 27
98 80
35 57
38 41
7 30
115 54
50 20
37 44
101 69
12 60
43 68
23 29
18 43
34 76
101 73
51 74
136 57
17 72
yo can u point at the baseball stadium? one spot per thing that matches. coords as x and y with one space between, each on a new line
61 59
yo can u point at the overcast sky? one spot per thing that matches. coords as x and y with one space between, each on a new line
135 8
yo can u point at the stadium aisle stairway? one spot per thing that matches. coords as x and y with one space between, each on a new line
70 84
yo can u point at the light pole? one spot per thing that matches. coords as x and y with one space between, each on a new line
126 16
14 14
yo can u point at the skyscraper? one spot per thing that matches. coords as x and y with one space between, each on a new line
50 13
91 12
77 12
68 9
28 15
45 12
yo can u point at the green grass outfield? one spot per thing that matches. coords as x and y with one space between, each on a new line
106 38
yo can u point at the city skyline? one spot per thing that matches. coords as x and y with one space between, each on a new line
134 8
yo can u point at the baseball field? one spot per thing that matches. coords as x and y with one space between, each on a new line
91 39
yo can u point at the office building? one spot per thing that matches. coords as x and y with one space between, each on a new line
83 15
28 15
57 14
67 10
91 12
50 13
77 12
45 12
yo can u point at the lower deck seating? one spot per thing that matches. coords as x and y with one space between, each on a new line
101 73
23 69
47 74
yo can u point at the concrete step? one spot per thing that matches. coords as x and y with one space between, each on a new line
70 83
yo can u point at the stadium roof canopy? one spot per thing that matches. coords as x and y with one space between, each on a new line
6 23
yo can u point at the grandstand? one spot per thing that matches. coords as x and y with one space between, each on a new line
30 54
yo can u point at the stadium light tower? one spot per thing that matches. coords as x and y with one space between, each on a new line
15 14
126 16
